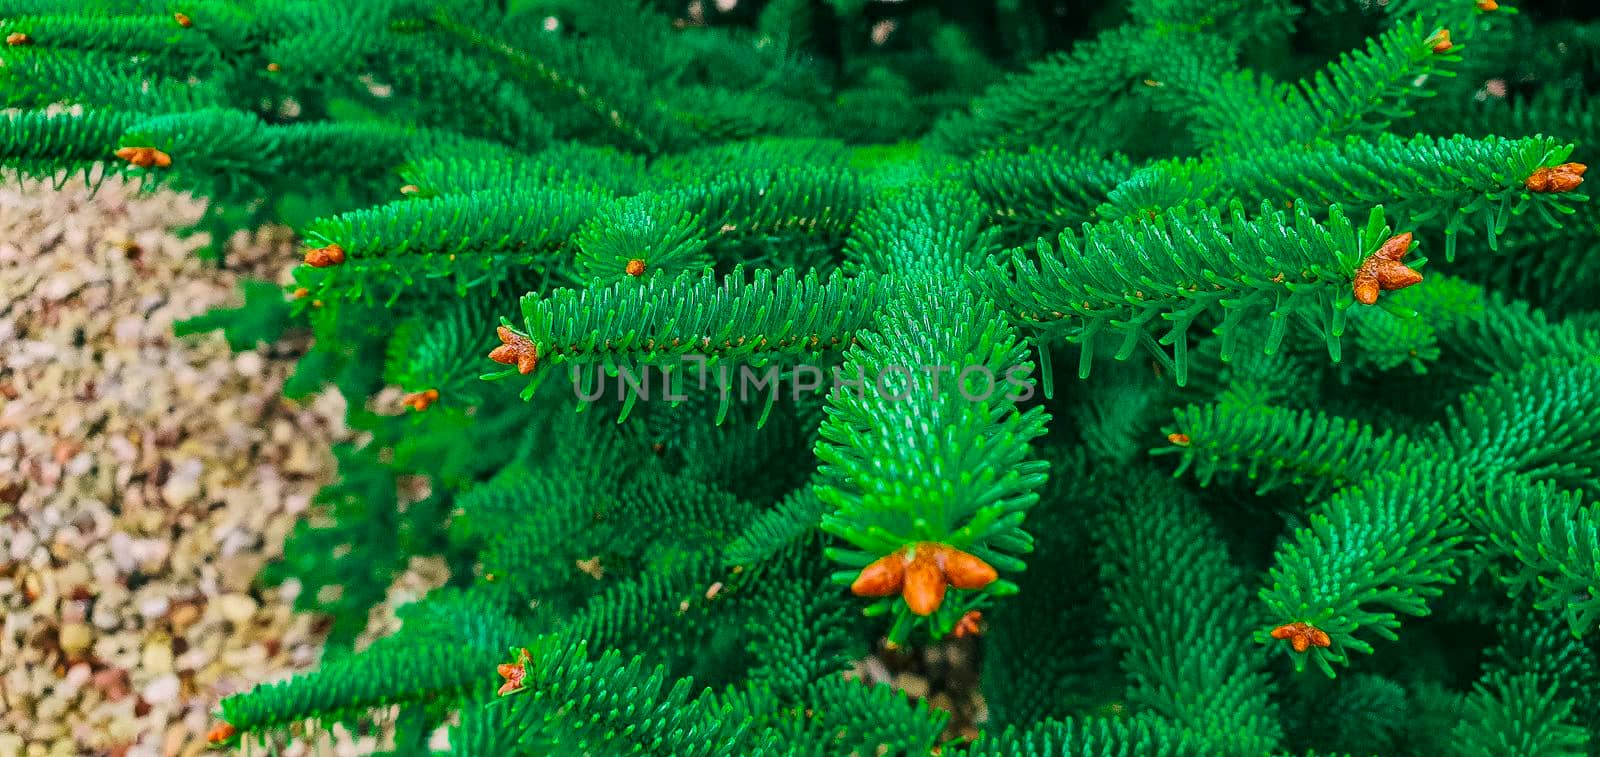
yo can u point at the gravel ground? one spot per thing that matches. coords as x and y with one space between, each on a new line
144 479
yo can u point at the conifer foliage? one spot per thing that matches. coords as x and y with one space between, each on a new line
1230 367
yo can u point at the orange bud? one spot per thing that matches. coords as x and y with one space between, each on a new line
1441 41
882 578
1182 440
925 584
422 400
301 293
966 571
513 675
274 68
18 39
1563 178
221 733
183 21
1395 247
515 349
635 267
1302 636
1488 5
145 157
324 257
1383 271
968 625
504 354
1366 288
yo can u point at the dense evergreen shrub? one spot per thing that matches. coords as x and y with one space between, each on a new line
1101 330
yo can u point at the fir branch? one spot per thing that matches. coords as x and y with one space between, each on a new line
774 530
124 34
1087 737
1374 551
610 705
1160 558
1459 184
1043 191
569 165
671 230
1542 422
482 239
1130 277
1362 91
448 645
39 77
42 143
1055 102
755 321
962 479
1551 542
1515 715
1275 447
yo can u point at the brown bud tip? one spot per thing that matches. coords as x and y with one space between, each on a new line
18 39
969 624
884 577
1488 5
324 257
1180 439
967 571
505 354
1366 288
1395 247
513 675
221 733
145 157
1393 275
925 585
183 21
1563 178
1383 271
635 267
274 68
1302 635
1441 41
515 349
410 189
420 401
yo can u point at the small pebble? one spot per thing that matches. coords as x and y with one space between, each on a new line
75 638
236 608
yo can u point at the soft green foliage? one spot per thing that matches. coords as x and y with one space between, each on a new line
782 291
